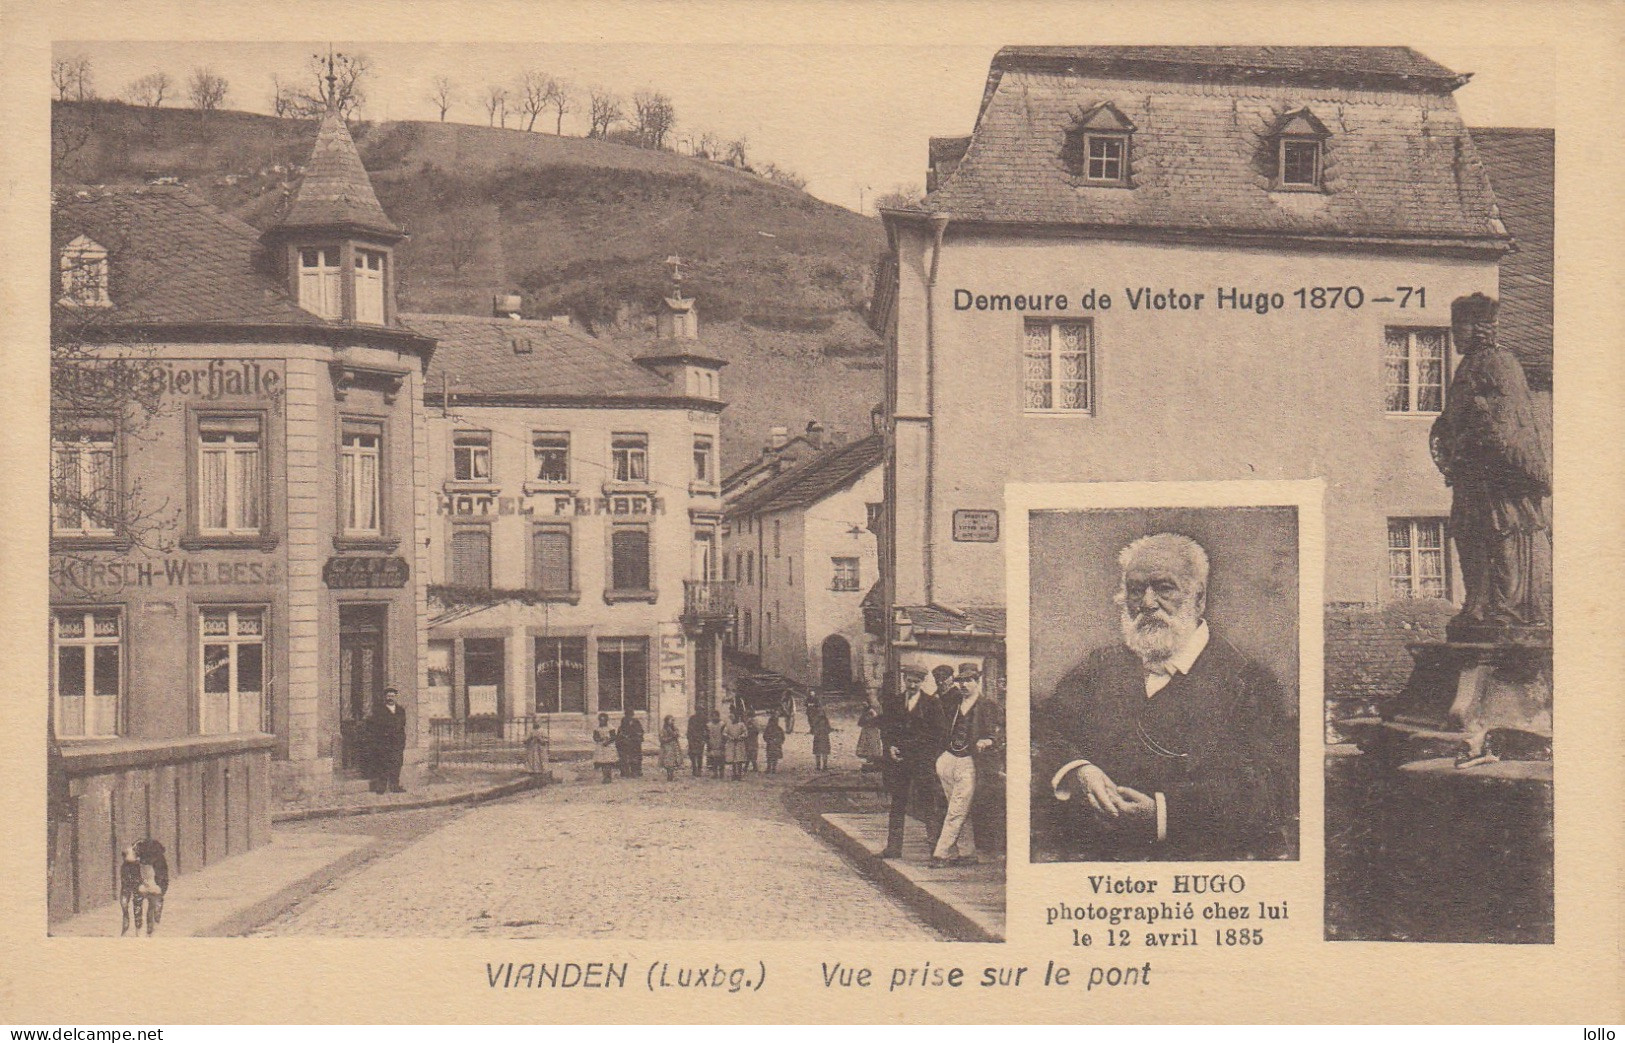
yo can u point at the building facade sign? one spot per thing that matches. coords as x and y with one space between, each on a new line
976 526
365 573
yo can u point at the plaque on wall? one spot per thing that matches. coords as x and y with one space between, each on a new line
976 526
362 573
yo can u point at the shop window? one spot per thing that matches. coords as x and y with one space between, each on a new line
231 481
369 286
623 674
551 564
1059 364
1417 562
441 679
1414 364
551 451
561 675
485 670
629 559
233 670
84 274
471 556
629 457
84 482
471 456
87 660
320 290
846 574
360 485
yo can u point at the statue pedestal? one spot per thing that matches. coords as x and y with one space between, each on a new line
1476 701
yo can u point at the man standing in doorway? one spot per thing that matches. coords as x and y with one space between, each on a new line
388 742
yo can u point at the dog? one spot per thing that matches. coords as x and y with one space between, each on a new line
143 882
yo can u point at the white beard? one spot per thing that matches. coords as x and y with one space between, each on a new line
1154 636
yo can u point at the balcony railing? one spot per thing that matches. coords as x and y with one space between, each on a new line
708 600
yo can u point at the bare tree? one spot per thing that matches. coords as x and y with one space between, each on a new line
561 95
603 113
654 118
333 80
784 176
900 197
534 87
149 90
207 89
737 152
441 92
71 77
708 146
103 390
284 99
463 237
496 104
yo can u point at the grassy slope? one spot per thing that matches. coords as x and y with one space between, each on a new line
574 224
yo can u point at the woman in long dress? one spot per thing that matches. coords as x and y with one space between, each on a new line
870 749
671 747
536 751
715 752
605 756
820 733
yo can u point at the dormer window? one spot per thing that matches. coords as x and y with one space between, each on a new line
1097 147
84 274
1300 147
319 288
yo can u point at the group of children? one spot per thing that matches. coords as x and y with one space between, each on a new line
732 748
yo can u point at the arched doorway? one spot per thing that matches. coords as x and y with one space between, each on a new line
836 656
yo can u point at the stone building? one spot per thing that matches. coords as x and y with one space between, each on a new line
802 554
575 502
236 533
1180 263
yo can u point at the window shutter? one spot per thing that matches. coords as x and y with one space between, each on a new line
471 558
552 559
630 548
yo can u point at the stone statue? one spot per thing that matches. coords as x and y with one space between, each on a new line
1488 447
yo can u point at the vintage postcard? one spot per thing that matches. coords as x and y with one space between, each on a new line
749 512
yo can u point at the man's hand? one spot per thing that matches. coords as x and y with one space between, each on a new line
1101 791
1137 807
984 744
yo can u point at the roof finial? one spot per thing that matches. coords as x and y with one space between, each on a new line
676 263
332 80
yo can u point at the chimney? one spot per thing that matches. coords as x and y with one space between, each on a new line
815 434
778 436
507 306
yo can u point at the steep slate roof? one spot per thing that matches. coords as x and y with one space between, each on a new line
477 358
172 259
1398 164
940 619
829 472
1520 162
335 188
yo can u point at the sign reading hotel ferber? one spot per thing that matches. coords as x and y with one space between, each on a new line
1071 542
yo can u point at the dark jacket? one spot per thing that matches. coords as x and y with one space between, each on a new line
923 737
985 720
630 737
696 732
388 734
1217 743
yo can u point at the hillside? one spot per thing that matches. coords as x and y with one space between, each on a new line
574 224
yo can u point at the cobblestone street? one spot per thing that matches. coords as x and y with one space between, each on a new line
638 858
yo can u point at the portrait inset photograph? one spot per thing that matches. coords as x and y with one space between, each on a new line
1164 652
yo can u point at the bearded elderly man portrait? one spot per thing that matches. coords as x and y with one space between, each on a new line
1171 745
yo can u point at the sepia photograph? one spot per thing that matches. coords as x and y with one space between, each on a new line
642 507
1171 730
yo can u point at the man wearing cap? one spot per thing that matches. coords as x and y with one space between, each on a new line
973 728
1170 745
910 724
388 734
